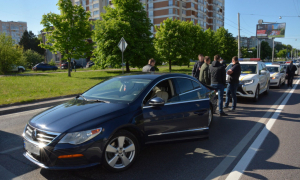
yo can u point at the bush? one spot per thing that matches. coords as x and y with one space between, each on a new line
10 54
52 62
32 58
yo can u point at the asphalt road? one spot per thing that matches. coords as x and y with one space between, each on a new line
228 153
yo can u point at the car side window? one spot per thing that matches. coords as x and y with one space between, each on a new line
164 90
187 94
185 85
196 85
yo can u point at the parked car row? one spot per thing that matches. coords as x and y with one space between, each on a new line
65 65
44 67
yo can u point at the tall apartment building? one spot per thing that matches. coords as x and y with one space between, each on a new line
207 13
13 29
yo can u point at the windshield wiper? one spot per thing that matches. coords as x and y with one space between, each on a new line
82 97
98 100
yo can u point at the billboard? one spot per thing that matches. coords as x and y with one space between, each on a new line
276 30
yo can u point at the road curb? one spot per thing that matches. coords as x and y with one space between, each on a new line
26 106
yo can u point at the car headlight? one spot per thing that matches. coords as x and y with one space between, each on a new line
275 77
246 82
80 137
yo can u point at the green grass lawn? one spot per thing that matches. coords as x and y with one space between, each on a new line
28 88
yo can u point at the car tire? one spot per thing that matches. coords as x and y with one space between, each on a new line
210 116
268 88
255 98
279 84
115 158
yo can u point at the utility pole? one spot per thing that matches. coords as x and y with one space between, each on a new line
239 43
273 50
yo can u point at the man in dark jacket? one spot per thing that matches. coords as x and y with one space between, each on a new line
233 82
218 81
205 72
150 66
290 71
197 66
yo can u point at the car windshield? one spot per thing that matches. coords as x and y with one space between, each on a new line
273 69
122 89
249 68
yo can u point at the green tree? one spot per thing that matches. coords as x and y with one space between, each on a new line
211 48
32 58
226 44
282 53
197 40
173 42
266 50
30 41
69 32
10 54
127 19
245 52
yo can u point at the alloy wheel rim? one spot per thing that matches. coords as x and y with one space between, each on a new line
120 152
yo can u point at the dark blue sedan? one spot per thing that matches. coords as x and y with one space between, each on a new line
44 67
112 121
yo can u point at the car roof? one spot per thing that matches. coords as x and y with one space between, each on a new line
153 75
274 65
249 62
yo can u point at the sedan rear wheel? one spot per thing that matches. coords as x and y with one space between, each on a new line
279 84
120 151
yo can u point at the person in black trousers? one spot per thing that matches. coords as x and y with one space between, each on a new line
197 66
290 71
74 64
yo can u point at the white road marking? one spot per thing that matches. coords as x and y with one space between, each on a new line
12 149
226 162
239 169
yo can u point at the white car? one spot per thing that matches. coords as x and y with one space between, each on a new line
254 79
277 74
18 68
297 66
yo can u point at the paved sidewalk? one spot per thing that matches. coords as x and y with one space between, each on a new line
19 107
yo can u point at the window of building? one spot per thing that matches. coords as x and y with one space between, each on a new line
91 7
90 1
171 11
170 2
150 13
95 13
77 3
96 5
150 5
192 5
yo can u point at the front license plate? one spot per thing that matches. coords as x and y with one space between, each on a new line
31 148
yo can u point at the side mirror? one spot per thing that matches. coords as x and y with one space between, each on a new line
263 72
157 101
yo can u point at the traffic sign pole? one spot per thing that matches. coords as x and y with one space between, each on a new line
122 46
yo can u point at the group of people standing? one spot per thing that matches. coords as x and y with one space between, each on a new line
214 75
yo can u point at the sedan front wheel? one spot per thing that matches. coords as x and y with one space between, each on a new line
120 151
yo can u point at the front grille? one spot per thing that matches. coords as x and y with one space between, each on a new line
39 136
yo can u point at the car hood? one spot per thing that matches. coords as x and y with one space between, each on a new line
273 74
76 112
244 77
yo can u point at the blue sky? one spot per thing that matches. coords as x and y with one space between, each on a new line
31 11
